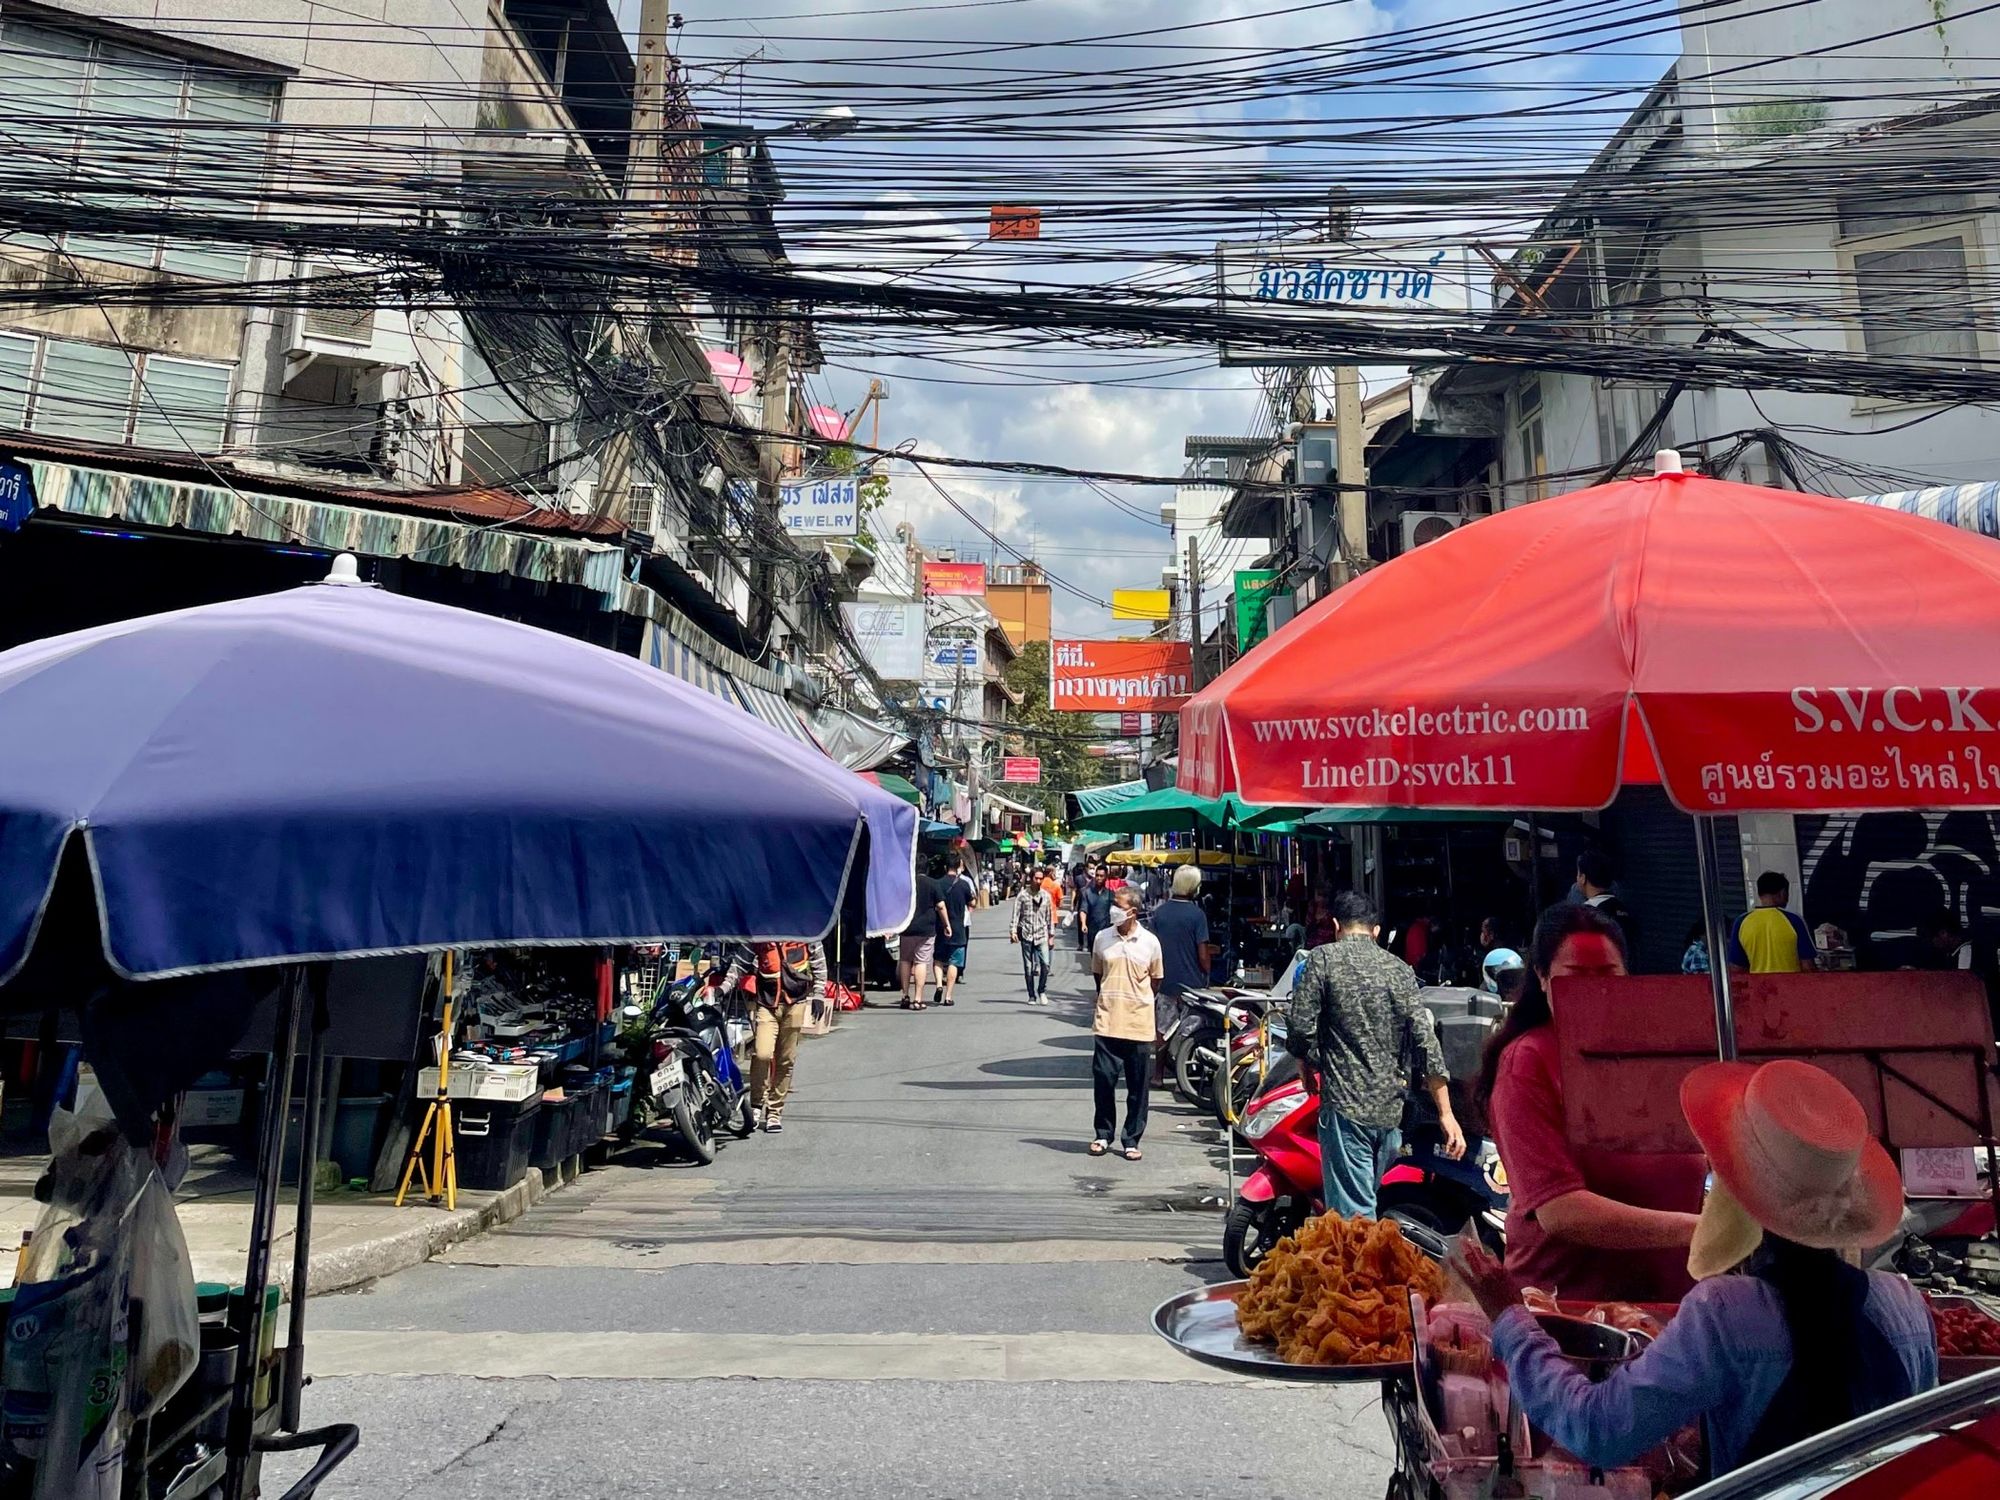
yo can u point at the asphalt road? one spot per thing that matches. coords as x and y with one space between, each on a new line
922 1288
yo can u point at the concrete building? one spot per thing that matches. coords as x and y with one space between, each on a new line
199 375
1021 600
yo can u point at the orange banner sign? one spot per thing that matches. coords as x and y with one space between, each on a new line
1120 676
954 578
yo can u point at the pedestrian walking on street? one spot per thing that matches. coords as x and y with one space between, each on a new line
788 975
1182 928
1126 959
959 893
1033 926
1094 915
1083 890
1354 1017
928 923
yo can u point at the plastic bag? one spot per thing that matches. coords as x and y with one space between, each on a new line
107 1239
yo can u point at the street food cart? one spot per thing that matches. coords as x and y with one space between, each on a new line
1751 651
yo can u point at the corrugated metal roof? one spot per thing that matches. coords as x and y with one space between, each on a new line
482 506
1219 447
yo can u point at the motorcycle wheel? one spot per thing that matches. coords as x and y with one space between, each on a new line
691 1120
1193 1078
743 1119
1252 1231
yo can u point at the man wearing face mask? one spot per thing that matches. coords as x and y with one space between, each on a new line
1127 961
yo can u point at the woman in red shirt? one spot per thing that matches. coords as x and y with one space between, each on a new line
1581 1223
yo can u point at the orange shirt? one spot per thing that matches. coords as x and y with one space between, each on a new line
1054 888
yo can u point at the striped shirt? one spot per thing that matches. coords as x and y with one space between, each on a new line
1129 965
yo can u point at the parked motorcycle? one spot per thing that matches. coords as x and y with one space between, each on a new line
689 1050
1282 1127
1213 1016
1429 1195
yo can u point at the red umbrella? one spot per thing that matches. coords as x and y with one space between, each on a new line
1751 649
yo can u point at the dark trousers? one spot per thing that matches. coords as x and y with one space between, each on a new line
1134 1059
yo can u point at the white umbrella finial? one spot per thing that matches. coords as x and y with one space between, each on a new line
1667 461
346 570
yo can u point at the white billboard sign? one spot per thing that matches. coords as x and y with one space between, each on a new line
891 636
1426 284
821 507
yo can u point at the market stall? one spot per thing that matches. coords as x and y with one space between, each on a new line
1748 650
204 802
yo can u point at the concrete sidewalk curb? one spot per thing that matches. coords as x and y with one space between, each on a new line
345 1266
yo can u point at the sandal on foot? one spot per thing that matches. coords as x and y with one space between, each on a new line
1099 1148
1130 1153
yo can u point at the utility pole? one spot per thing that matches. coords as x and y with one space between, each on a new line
775 404
1194 608
1350 452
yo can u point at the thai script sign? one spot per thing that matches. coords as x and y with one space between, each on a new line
1423 282
823 507
1120 676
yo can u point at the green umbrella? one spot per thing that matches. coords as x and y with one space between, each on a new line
1170 810
1300 819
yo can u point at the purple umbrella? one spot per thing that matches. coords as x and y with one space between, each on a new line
337 771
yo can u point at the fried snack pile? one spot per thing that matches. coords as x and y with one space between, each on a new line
1337 1293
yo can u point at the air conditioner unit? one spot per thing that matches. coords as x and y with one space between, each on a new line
1420 526
580 499
342 333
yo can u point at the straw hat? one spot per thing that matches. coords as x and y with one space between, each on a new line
1792 1155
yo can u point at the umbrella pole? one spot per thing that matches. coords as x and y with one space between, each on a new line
295 1337
1707 860
257 1265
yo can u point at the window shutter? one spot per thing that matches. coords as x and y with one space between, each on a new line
183 405
85 392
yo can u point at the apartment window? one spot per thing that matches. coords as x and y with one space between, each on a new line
1913 261
17 378
182 404
101 394
112 127
1531 437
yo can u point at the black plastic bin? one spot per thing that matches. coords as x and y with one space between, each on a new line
589 1118
554 1132
493 1140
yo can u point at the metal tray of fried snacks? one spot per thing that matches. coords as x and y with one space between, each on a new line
1202 1325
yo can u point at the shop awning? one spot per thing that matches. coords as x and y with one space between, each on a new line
289 521
1095 799
857 742
1969 507
1298 819
1181 857
774 710
896 786
932 829
1034 815
1169 810
677 658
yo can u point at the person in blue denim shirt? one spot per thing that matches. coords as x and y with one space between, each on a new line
1797 1340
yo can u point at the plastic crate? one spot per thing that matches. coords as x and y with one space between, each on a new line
504 1083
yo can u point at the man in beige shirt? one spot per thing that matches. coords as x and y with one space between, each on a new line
1126 960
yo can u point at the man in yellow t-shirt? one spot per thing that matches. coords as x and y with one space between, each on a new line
1770 939
1127 961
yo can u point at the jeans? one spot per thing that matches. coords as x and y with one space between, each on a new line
1134 1059
1035 968
776 1042
1352 1159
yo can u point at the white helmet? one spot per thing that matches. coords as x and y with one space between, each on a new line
1499 962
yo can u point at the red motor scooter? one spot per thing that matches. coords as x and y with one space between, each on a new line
1282 1127
1429 1194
